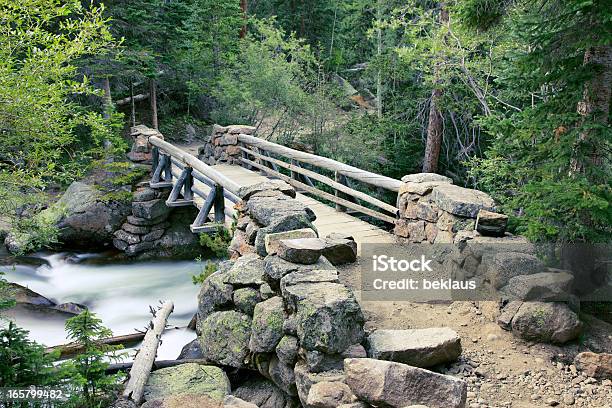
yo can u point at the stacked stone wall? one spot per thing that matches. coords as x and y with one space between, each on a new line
222 145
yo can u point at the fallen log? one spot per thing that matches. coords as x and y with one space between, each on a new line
115 368
143 362
72 349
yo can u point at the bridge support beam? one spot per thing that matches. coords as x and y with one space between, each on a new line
184 183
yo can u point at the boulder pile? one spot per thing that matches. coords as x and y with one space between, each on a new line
279 311
222 146
141 148
155 230
433 209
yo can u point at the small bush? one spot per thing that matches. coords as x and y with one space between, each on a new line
217 243
207 270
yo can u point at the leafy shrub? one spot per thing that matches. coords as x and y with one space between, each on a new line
217 243
207 270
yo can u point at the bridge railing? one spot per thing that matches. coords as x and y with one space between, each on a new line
173 167
266 157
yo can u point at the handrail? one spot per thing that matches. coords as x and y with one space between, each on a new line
195 164
364 176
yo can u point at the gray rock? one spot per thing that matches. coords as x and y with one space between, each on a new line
236 129
425 177
266 210
283 376
146 222
305 251
284 223
304 380
224 337
214 295
328 315
144 194
507 314
308 276
251 232
131 239
191 378
150 209
543 286
234 402
287 349
136 229
71 307
419 189
263 393
246 192
265 291
340 251
416 347
275 268
327 394
248 270
267 327
191 350
490 223
83 215
272 240
596 365
398 385
245 299
318 362
546 322
24 295
500 267
461 201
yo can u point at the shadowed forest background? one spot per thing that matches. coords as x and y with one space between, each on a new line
510 97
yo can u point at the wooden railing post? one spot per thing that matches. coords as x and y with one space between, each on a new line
339 178
219 205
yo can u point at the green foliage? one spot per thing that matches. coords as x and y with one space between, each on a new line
6 294
89 384
22 361
217 242
529 165
208 269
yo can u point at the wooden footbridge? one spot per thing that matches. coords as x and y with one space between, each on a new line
214 189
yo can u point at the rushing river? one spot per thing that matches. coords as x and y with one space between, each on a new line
120 294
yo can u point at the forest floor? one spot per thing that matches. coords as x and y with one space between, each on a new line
501 370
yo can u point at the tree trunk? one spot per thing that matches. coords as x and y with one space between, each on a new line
153 93
435 126
244 7
595 103
143 362
378 54
107 100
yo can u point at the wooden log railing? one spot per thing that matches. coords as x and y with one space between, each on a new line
257 153
167 159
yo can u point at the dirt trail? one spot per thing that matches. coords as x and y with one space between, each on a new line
501 369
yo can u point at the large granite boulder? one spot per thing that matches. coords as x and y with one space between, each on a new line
596 365
328 394
305 251
266 210
546 322
275 268
543 286
284 223
304 380
264 394
500 267
248 270
224 337
267 327
461 201
190 378
384 383
174 401
214 294
329 319
84 215
246 192
416 347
